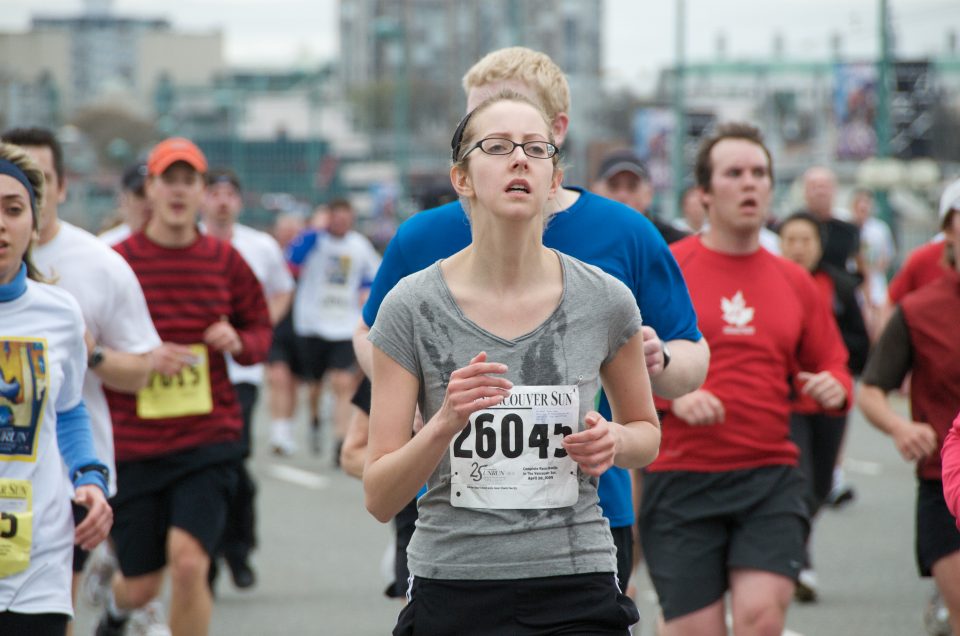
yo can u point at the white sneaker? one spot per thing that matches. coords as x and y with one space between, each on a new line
281 439
806 590
97 575
936 616
149 620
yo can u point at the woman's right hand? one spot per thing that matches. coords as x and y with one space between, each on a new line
472 388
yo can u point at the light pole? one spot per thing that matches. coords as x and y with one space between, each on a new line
678 158
882 122
394 30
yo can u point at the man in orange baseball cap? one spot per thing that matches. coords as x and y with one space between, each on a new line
178 440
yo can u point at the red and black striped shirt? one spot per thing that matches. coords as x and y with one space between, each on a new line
187 290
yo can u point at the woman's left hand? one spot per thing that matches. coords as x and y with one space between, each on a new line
96 525
595 447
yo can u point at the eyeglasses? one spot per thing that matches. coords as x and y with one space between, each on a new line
501 146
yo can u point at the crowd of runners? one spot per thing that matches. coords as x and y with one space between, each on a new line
539 384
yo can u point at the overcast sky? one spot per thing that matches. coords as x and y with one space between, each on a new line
638 36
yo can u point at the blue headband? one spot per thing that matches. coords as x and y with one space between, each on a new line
13 170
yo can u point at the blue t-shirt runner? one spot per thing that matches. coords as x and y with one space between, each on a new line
610 235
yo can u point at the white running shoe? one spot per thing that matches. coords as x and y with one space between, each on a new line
281 439
806 590
97 575
149 620
936 616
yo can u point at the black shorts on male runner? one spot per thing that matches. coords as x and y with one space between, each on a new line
283 347
623 542
80 556
48 624
194 501
582 604
937 535
404 523
319 355
695 527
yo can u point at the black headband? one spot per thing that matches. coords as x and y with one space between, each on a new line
11 169
458 136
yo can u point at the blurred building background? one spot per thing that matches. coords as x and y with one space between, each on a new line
374 123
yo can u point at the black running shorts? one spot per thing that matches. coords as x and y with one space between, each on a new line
195 502
583 604
317 355
937 534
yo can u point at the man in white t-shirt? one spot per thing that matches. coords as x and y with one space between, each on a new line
133 209
222 206
335 266
119 332
876 247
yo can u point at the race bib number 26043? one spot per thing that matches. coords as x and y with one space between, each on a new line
511 456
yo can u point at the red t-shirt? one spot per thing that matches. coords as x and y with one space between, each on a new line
924 265
932 315
187 290
763 317
803 403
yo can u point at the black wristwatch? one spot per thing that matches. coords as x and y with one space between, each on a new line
666 354
95 357
91 468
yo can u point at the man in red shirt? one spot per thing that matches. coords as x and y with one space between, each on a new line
723 505
178 440
921 337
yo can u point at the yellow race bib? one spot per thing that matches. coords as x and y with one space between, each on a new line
16 525
186 393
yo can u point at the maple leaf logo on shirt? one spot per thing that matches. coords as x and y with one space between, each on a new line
736 314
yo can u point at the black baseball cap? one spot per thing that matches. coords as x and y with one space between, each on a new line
223 175
134 177
618 161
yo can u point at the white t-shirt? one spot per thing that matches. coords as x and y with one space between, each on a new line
876 244
327 303
43 361
116 234
264 256
113 308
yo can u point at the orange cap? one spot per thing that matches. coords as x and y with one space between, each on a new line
169 151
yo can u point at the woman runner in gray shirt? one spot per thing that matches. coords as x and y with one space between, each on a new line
504 347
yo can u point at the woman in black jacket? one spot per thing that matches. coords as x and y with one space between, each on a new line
818 434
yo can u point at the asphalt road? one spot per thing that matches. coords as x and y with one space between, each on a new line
319 562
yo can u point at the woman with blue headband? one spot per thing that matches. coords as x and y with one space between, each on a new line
42 420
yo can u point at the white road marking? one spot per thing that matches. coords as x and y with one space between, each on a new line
298 476
862 467
786 632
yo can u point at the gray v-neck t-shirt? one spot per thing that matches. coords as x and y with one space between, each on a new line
421 327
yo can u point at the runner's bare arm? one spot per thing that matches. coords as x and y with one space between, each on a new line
631 402
119 370
398 465
363 348
687 369
95 527
632 444
354 451
278 305
914 440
